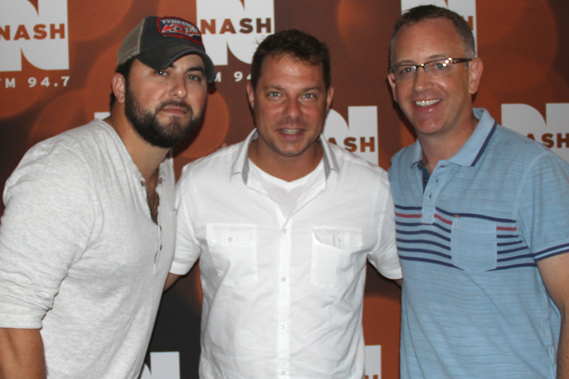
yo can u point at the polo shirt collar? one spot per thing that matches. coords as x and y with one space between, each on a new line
474 147
241 163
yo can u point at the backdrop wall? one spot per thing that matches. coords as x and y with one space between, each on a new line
57 58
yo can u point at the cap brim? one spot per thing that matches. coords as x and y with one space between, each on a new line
163 56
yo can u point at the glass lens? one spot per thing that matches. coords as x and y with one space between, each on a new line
438 67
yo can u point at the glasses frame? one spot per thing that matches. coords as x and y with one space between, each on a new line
416 66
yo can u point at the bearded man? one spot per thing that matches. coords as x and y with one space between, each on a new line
87 236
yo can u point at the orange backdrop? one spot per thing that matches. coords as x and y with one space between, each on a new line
44 92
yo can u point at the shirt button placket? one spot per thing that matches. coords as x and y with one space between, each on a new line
282 325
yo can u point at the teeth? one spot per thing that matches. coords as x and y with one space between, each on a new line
291 131
426 103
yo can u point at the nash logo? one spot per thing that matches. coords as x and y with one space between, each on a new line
41 34
162 366
528 121
235 24
465 8
373 362
360 137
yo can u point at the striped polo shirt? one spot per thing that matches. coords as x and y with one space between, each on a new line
469 238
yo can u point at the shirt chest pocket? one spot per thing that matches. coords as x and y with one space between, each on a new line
474 244
335 262
233 251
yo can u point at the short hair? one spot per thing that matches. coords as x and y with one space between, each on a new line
429 12
294 43
124 70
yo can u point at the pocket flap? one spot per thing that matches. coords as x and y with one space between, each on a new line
341 239
231 234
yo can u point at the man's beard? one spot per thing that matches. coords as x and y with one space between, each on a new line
146 124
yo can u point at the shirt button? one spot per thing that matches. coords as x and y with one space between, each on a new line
160 180
142 182
283 327
283 372
283 279
284 231
339 240
230 239
160 247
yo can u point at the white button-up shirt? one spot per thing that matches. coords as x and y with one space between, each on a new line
283 295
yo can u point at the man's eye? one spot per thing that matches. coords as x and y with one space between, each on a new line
406 70
273 94
196 77
439 65
161 72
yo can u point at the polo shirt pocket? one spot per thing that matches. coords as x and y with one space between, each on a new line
474 244
334 258
233 250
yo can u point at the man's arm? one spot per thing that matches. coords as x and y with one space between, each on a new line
554 274
170 280
21 354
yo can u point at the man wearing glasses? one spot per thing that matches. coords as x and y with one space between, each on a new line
482 220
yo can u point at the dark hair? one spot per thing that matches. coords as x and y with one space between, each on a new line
430 12
295 43
124 70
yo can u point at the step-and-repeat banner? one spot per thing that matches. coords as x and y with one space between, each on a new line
57 58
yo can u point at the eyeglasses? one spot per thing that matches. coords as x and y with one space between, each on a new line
438 67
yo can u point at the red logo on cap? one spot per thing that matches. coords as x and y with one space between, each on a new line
177 27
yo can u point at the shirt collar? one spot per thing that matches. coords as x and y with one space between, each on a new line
241 163
474 147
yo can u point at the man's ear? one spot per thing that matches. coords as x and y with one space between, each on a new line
118 86
251 95
329 97
392 84
475 68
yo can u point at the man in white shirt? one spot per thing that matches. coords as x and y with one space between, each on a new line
87 237
283 223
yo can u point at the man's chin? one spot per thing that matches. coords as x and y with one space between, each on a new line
165 119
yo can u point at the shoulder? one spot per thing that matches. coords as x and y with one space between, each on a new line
511 142
402 161
215 165
522 153
353 167
72 143
64 160
403 155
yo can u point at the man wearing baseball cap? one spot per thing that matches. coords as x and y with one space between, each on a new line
87 235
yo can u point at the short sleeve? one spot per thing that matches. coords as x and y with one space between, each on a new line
384 256
544 206
188 249
45 228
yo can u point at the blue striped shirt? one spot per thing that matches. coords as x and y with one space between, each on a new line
469 239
